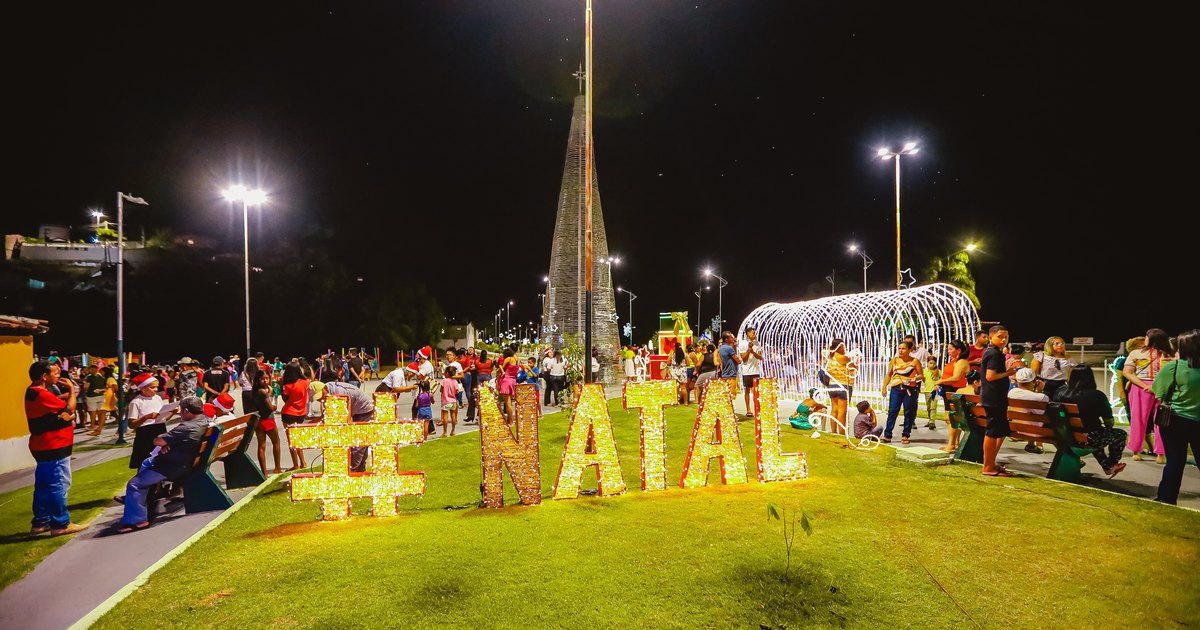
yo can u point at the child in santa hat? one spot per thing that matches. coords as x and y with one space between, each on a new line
143 417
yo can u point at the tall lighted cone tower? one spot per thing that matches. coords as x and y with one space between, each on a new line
564 310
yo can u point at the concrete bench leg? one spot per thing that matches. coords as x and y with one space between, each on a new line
241 471
202 493
1066 464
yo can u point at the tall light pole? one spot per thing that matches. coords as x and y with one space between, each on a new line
699 322
867 262
587 196
720 300
248 198
508 315
910 148
121 363
632 297
832 280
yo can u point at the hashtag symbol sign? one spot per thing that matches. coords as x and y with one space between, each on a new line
335 436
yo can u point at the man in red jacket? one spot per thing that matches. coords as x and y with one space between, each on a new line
51 436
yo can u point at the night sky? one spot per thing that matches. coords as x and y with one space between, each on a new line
740 135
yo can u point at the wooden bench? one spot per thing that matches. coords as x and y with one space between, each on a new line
225 441
1058 423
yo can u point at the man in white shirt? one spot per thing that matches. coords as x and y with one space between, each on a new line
751 354
918 352
1027 389
452 361
547 364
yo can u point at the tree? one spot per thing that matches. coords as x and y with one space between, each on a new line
954 270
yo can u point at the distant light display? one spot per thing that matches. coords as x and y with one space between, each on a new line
650 397
591 426
335 435
795 337
715 434
773 464
500 448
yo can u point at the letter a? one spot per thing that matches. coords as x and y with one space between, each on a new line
773 464
500 449
715 435
650 397
590 423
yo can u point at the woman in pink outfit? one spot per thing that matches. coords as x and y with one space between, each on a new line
507 386
1140 368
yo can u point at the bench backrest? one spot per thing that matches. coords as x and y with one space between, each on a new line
207 446
233 435
1034 420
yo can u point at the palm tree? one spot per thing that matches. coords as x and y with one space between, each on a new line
953 269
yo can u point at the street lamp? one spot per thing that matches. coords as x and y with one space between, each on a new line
867 262
632 297
507 315
96 214
720 301
832 280
699 322
971 247
910 148
248 198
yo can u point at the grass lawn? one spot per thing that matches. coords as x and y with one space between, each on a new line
894 546
92 490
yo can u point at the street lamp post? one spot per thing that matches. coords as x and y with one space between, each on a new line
121 362
832 280
248 198
867 262
720 298
507 315
632 297
910 148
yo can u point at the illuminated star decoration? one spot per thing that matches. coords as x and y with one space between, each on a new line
501 449
591 426
911 278
715 435
651 397
871 324
773 464
336 485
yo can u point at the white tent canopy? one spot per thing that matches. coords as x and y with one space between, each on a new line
795 336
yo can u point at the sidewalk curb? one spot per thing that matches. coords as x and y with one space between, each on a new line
99 611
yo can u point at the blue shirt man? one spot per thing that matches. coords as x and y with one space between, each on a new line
729 356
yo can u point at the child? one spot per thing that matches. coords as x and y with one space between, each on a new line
424 403
450 391
864 422
993 395
529 374
799 420
930 389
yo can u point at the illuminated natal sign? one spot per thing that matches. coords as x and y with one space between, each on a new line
589 443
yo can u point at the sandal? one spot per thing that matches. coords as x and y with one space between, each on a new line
39 530
1137 457
1112 472
999 473
133 528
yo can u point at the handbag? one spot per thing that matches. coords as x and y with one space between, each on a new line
1165 413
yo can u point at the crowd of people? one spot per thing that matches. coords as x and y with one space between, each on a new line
1158 381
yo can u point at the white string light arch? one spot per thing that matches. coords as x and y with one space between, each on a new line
795 336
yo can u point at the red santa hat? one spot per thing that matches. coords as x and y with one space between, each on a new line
425 352
144 380
220 405
413 367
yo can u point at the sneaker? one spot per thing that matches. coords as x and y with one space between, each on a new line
1034 448
931 425
71 528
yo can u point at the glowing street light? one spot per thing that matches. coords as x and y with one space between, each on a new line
971 247
720 300
256 197
867 262
910 148
507 316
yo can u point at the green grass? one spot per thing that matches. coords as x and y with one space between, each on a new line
895 546
92 490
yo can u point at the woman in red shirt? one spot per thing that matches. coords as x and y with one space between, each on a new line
295 406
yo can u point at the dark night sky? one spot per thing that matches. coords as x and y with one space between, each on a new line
737 134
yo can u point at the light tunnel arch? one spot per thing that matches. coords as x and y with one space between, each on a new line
793 335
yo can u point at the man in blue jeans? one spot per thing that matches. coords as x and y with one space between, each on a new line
51 438
173 455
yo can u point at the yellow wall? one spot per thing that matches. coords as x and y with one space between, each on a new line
16 354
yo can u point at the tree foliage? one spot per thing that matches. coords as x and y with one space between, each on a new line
953 269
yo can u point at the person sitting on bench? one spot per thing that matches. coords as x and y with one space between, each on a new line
173 456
